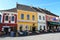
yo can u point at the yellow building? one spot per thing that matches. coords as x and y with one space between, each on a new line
26 18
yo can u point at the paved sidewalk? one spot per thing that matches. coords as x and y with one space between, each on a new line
51 36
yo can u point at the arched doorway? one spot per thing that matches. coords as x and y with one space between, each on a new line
21 28
33 28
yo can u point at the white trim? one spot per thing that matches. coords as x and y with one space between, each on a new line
11 19
1 17
6 26
26 21
40 14
9 12
5 20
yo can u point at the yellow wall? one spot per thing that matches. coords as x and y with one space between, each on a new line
25 18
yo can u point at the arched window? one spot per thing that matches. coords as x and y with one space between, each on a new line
13 18
28 17
39 17
33 17
22 16
0 18
6 18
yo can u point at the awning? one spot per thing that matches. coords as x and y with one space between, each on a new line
54 23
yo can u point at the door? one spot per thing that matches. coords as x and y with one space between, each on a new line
33 28
6 30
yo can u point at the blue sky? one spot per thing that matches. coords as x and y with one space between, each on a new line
51 5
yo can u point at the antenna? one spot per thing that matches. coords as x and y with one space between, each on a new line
16 2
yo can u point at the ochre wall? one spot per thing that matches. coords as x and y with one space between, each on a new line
25 18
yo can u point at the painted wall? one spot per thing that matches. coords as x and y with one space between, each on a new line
41 22
8 23
24 21
10 14
52 18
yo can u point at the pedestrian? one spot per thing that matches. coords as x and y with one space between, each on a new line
12 33
9 31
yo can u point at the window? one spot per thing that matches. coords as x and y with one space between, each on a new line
0 18
13 18
40 17
43 18
28 17
22 16
33 18
6 18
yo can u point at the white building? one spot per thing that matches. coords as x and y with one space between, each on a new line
41 19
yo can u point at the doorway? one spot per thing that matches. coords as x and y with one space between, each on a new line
33 28
6 30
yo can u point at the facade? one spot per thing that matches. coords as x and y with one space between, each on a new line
9 20
1 21
52 22
41 19
26 18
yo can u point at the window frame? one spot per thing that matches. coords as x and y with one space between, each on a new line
13 16
28 17
39 17
1 18
43 17
22 17
33 17
5 18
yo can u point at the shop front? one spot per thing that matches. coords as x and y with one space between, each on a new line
52 26
9 27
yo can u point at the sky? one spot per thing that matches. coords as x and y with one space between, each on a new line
51 5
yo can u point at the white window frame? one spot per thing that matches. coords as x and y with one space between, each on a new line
39 17
1 18
27 17
5 20
11 19
43 17
21 16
